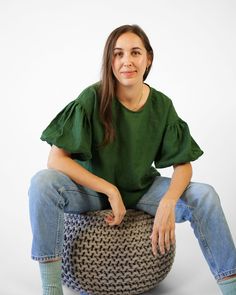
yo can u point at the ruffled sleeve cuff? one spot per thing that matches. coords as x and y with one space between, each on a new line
70 130
178 146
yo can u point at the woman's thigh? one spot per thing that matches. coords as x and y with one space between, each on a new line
198 196
53 187
151 199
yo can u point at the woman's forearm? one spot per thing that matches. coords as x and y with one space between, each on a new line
180 179
59 160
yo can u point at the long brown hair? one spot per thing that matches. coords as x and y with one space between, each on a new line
108 80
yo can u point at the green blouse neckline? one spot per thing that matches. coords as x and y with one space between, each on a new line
141 109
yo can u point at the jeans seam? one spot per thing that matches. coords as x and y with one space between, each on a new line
206 246
57 250
147 204
64 189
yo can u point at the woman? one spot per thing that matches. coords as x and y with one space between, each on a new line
103 146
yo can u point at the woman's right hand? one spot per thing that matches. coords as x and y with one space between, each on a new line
117 206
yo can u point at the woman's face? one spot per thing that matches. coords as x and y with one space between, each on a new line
130 59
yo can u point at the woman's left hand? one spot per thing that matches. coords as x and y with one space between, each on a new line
163 232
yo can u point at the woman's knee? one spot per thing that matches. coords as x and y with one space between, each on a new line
44 179
203 194
45 183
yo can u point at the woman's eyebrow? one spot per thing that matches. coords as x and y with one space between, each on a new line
119 48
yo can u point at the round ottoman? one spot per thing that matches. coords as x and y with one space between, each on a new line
101 259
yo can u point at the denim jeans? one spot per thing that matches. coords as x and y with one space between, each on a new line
52 193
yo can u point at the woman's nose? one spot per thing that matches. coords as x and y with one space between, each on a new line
127 60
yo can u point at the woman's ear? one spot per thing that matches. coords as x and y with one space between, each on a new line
149 61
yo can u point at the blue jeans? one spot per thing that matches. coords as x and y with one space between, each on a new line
52 193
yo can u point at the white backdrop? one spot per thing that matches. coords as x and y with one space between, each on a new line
51 50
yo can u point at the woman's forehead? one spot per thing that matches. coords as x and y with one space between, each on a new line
129 40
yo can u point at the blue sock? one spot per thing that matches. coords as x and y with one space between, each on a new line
228 287
51 277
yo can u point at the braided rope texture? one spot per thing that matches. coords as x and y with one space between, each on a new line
111 260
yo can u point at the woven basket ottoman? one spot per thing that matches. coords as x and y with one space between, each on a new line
111 260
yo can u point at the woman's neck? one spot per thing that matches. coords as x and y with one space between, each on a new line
131 97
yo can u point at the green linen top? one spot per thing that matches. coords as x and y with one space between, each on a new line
153 135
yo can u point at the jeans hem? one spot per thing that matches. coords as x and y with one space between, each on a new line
225 274
46 258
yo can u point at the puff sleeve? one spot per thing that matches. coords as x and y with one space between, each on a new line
177 145
71 130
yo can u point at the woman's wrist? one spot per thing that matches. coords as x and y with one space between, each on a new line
171 199
109 189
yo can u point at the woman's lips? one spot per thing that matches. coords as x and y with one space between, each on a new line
128 73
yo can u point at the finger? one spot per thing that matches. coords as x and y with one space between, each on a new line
108 218
109 221
117 220
167 241
161 241
172 237
154 238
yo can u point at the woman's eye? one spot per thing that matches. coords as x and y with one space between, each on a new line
119 54
135 53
